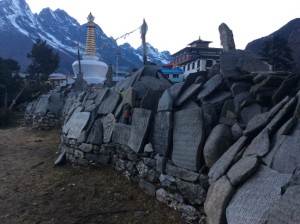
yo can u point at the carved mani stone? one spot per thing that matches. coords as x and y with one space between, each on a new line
188 138
252 201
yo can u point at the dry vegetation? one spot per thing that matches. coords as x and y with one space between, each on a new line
33 191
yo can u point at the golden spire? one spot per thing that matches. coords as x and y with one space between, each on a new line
90 47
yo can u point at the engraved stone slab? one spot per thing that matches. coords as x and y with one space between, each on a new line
161 136
223 163
217 199
256 196
78 124
121 133
96 134
56 103
108 126
287 209
139 128
285 155
188 135
42 104
72 119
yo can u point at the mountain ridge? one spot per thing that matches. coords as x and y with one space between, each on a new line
19 28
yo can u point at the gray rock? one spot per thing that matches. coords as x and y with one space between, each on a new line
188 138
216 144
181 173
77 125
165 102
209 86
226 36
257 123
223 164
256 196
147 187
243 169
102 94
247 113
139 128
188 93
109 104
236 131
239 87
161 137
101 159
260 145
194 193
217 199
96 134
121 134
109 122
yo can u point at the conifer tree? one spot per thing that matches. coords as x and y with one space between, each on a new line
44 61
278 54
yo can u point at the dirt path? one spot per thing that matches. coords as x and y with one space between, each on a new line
33 191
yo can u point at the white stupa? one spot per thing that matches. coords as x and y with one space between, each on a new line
94 71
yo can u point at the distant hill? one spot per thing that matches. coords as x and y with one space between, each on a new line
290 32
19 28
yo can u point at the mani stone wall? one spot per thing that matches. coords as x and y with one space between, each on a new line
221 147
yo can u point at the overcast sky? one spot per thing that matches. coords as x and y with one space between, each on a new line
172 24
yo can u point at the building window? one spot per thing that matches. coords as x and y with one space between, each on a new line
175 75
188 67
198 64
193 65
209 63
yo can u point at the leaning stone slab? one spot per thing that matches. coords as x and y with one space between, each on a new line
210 85
181 173
260 145
188 138
139 128
218 141
56 103
78 124
109 122
285 155
95 136
71 120
252 201
188 93
121 134
248 112
243 169
217 199
161 137
223 163
165 102
109 104
257 123
102 95
287 209
42 105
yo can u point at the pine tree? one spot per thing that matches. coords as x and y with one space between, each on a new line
44 61
278 53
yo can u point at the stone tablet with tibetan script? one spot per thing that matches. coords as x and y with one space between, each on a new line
139 128
252 201
188 138
78 124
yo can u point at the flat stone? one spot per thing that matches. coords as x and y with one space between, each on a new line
139 128
110 103
223 163
218 141
109 122
256 196
121 134
78 124
161 137
95 136
287 209
217 199
165 102
188 93
260 145
188 138
243 169
209 86
181 173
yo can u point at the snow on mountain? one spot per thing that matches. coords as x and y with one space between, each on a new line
19 28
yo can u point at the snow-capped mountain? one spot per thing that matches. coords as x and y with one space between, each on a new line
19 28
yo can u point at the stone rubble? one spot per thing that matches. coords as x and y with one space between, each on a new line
219 149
